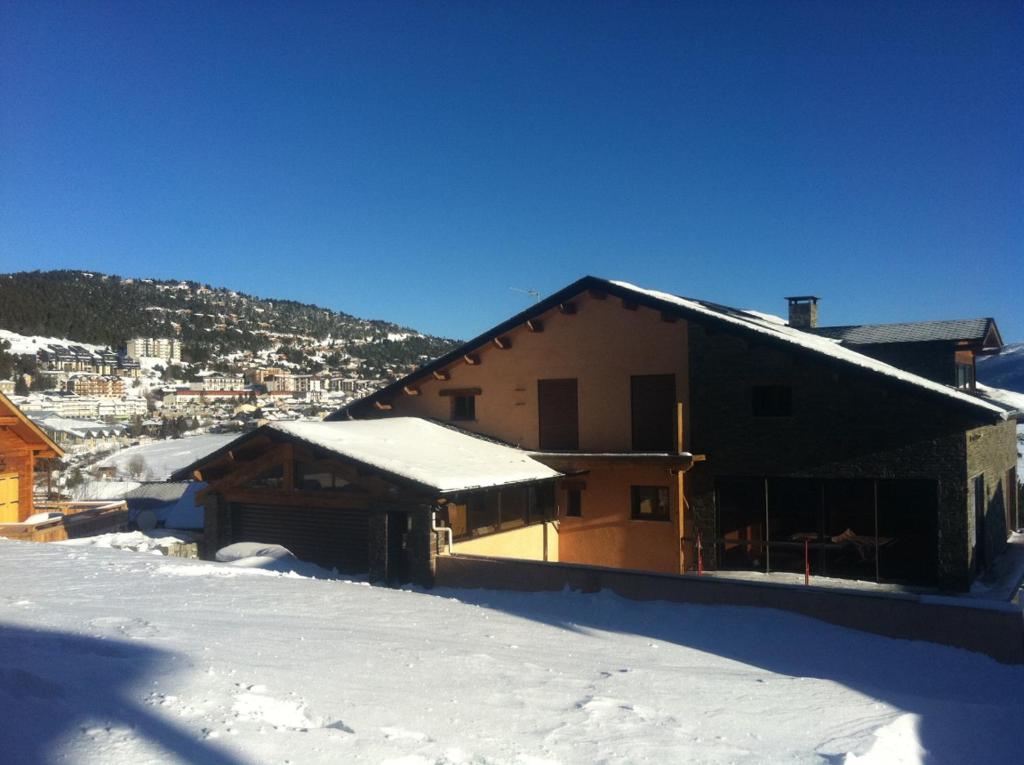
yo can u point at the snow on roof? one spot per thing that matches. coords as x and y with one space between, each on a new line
815 343
1008 399
440 457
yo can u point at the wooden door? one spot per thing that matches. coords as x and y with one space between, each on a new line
9 486
653 408
558 411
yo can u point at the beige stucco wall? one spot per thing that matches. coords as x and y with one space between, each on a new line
526 543
599 345
605 535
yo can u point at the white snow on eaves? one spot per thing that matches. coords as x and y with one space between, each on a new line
811 342
442 458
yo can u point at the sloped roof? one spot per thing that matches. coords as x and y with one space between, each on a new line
437 457
690 308
913 332
28 431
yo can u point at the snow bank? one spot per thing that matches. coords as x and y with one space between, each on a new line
134 541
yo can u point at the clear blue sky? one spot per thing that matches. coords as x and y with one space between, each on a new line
412 161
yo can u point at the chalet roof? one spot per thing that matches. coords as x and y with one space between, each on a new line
913 332
441 458
700 310
12 417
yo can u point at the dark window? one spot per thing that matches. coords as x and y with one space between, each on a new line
558 413
574 503
965 376
514 507
978 486
772 400
463 407
653 404
542 502
649 503
1012 498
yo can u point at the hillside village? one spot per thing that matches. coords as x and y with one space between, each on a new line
215 360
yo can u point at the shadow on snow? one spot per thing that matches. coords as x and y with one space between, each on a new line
55 687
970 706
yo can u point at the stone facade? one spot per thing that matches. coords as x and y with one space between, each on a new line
844 423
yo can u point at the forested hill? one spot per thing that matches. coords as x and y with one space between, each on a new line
211 322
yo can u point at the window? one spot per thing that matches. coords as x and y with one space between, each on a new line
772 400
1012 498
653 408
558 413
463 402
965 376
573 503
463 408
649 503
542 502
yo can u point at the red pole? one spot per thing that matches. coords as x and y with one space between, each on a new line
700 556
807 562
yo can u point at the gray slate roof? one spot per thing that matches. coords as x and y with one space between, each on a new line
914 332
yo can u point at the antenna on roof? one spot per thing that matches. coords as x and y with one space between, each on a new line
533 293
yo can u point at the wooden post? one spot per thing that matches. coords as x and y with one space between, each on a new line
877 577
807 562
679 489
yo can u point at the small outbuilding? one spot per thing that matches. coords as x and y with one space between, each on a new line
367 496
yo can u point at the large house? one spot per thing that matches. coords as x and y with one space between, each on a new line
677 433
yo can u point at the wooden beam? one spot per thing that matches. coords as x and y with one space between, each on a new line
440 374
535 325
325 500
503 342
6 420
567 308
629 305
460 392
381 406
248 471
288 467
411 390
472 359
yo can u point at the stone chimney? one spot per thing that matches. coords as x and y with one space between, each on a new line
803 311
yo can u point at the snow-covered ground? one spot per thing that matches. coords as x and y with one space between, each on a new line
161 458
108 656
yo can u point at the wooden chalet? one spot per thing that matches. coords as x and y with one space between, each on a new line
23 447
362 497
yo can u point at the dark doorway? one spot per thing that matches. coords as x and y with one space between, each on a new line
653 405
398 560
558 412
978 493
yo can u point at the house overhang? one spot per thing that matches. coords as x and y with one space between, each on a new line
573 462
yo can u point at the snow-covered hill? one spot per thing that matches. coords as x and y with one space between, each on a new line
117 657
156 461
1005 370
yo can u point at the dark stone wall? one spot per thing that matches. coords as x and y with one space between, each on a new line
845 423
936 361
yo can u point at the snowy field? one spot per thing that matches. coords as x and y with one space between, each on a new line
161 458
110 656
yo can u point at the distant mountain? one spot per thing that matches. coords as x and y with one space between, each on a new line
215 324
1005 370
